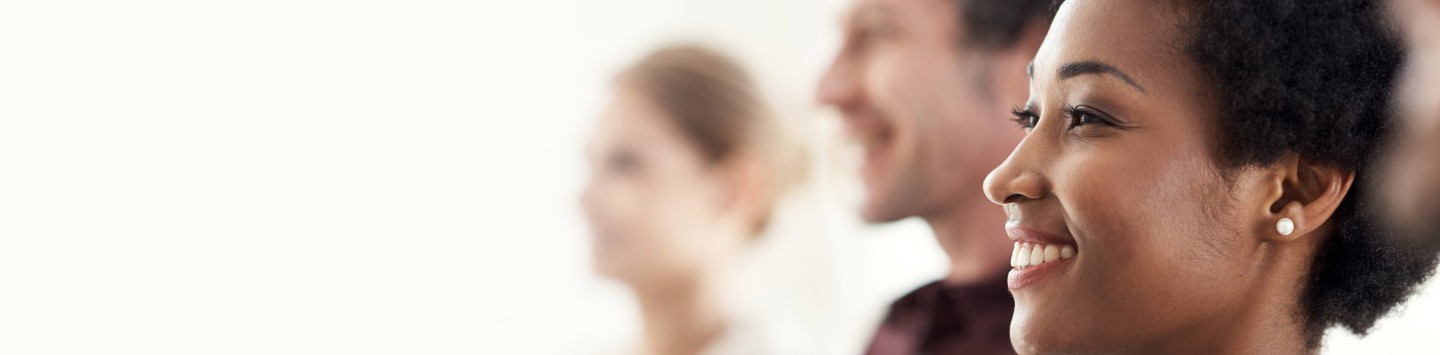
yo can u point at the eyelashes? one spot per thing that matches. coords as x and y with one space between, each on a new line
1078 116
1025 117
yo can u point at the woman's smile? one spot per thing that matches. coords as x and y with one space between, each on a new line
1037 255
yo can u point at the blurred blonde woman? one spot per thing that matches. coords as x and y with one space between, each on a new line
686 166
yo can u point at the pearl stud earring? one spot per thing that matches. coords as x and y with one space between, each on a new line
1285 226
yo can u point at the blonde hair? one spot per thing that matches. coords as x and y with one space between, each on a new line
718 107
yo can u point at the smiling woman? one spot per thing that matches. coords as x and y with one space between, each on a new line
1191 183
687 164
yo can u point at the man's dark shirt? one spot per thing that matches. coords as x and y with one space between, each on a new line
937 319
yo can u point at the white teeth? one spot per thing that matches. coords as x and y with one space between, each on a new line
1031 254
1015 255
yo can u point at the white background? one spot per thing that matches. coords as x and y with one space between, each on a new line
380 177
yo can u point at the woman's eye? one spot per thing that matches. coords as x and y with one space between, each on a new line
867 37
1026 118
622 163
1081 117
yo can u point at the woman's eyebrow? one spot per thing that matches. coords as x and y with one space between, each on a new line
866 12
1093 67
1075 69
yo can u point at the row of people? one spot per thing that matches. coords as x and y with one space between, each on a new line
1105 176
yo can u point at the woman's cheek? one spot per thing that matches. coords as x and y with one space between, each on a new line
1138 228
633 208
1104 198
674 219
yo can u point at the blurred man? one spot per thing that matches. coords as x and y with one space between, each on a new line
926 87
1414 177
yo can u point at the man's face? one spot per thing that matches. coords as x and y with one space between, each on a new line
915 98
1413 181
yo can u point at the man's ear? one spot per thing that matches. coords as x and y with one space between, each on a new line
1305 192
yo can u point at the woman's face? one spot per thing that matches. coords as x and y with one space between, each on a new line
1118 168
650 196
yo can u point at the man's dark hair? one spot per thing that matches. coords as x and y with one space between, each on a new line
1313 77
997 24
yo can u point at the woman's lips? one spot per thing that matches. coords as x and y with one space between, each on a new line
1025 234
1022 277
1037 255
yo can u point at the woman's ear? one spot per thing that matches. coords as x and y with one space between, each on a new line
1306 195
745 184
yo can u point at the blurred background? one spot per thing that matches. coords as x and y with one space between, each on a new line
384 177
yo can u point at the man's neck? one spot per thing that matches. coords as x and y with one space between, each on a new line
973 237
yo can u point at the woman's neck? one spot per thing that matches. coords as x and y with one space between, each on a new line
1275 330
1270 320
682 316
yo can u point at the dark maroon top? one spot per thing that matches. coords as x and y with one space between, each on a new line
937 319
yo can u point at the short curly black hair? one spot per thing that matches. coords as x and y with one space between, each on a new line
1314 77
998 24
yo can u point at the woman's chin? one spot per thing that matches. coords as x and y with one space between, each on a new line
1026 343
1034 334
625 271
606 268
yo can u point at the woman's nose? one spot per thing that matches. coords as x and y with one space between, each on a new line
1017 179
587 198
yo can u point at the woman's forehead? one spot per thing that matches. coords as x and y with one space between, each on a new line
1136 37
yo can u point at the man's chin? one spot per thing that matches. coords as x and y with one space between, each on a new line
894 197
885 211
